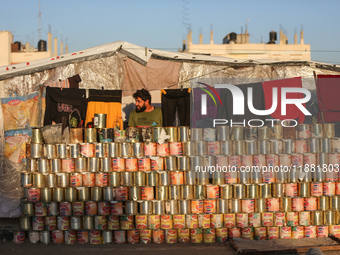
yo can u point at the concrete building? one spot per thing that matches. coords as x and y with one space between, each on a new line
16 52
237 46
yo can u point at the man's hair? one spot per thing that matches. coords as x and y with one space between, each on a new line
143 94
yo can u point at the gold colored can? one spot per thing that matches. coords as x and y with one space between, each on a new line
90 135
277 189
334 204
264 190
239 191
323 203
286 204
162 192
226 191
329 130
329 218
260 205
234 205
58 194
304 189
252 191
38 180
263 133
187 192
173 133
317 218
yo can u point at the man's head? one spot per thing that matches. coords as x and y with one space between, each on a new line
142 100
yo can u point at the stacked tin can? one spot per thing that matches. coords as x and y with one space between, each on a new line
194 187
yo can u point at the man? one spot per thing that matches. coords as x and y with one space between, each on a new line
145 115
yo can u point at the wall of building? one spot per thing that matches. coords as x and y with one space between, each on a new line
242 49
27 53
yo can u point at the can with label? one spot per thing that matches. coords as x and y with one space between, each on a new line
204 221
310 231
100 222
163 149
279 219
166 221
304 218
285 233
260 233
230 220
145 236
63 223
298 204
267 219
241 220
321 231
292 218
334 230
221 235
291 189
179 221
153 222
171 236
316 189
191 221
38 223
196 235
50 223
196 206
216 220
183 235
120 236
158 236
70 237
298 232
141 221
213 191
254 219
329 188
273 204
248 205
273 232
118 164
209 206
57 237
82 237
113 222
247 233
209 235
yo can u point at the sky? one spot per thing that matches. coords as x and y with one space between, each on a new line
163 24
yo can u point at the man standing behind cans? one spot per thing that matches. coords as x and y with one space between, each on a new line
145 115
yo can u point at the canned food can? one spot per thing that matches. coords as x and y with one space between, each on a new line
273 232
298 232
113 222
241 220
82 237
50 223
209 205
91 207
63 223
321 231
133 236
204 221
127 222
107 236
166 221
234 232
285 232
179 221
153 222
310 231
191 221
247 233
158 236
310 203
57 237
216 221
304 218
260 233
116 208
248 205
76 222
292 218
279 219
209 235
254 220
120 236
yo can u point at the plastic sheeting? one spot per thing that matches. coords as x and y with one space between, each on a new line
10 190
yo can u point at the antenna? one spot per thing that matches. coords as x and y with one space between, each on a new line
39 22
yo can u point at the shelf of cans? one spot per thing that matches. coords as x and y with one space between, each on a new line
137 190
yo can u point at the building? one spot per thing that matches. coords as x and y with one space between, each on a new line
237 46
16 52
